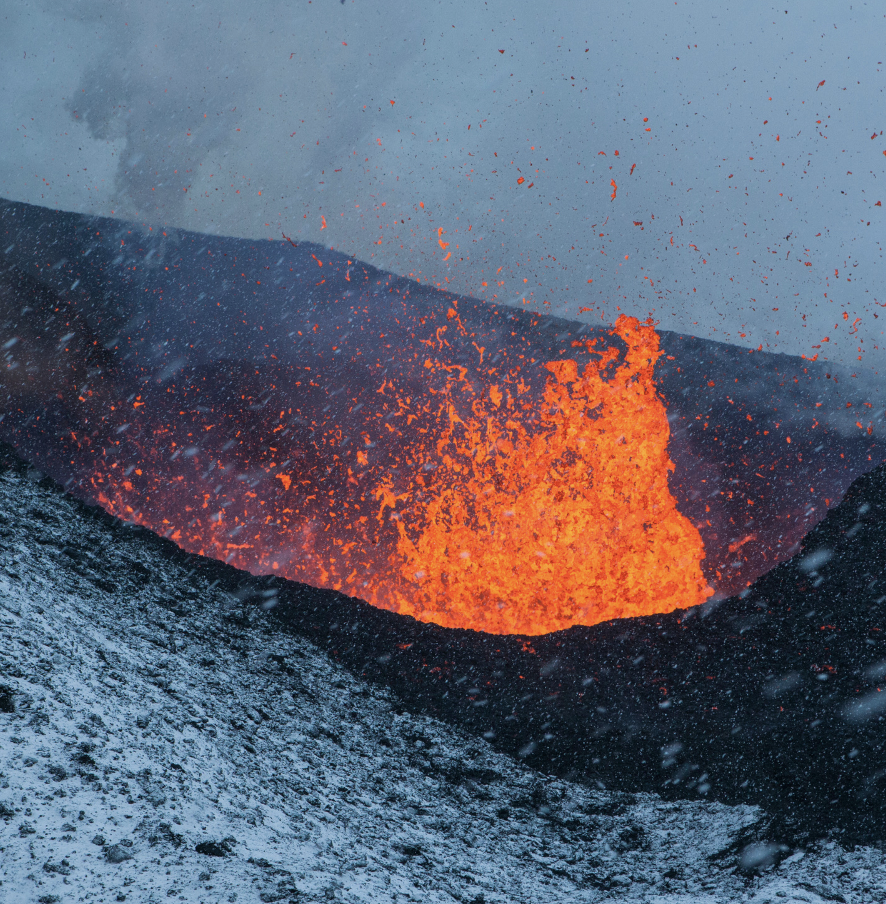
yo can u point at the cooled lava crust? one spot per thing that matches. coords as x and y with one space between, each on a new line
775 698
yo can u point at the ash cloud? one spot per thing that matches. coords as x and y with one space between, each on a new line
166 107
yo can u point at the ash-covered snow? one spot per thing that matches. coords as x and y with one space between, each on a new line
161 741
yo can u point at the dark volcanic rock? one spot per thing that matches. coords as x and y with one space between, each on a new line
343 793
116 853
775 697
6 703
214 848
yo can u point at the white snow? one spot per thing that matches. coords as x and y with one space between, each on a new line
153 712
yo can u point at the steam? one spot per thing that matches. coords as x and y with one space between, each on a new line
165 107
745 170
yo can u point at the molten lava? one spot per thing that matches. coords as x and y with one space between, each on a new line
533 530
493 510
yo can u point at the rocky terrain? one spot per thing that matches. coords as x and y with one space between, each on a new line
163 738
774 697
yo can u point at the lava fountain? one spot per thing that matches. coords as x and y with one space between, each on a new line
500 512
290 410
531 530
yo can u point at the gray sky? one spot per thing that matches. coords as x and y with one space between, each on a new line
745 140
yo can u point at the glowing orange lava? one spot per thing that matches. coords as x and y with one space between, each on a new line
572 523
494 506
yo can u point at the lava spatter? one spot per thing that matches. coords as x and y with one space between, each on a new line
531 529
489 499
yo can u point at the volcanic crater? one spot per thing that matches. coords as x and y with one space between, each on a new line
289 410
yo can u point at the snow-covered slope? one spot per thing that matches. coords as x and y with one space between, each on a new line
160 740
